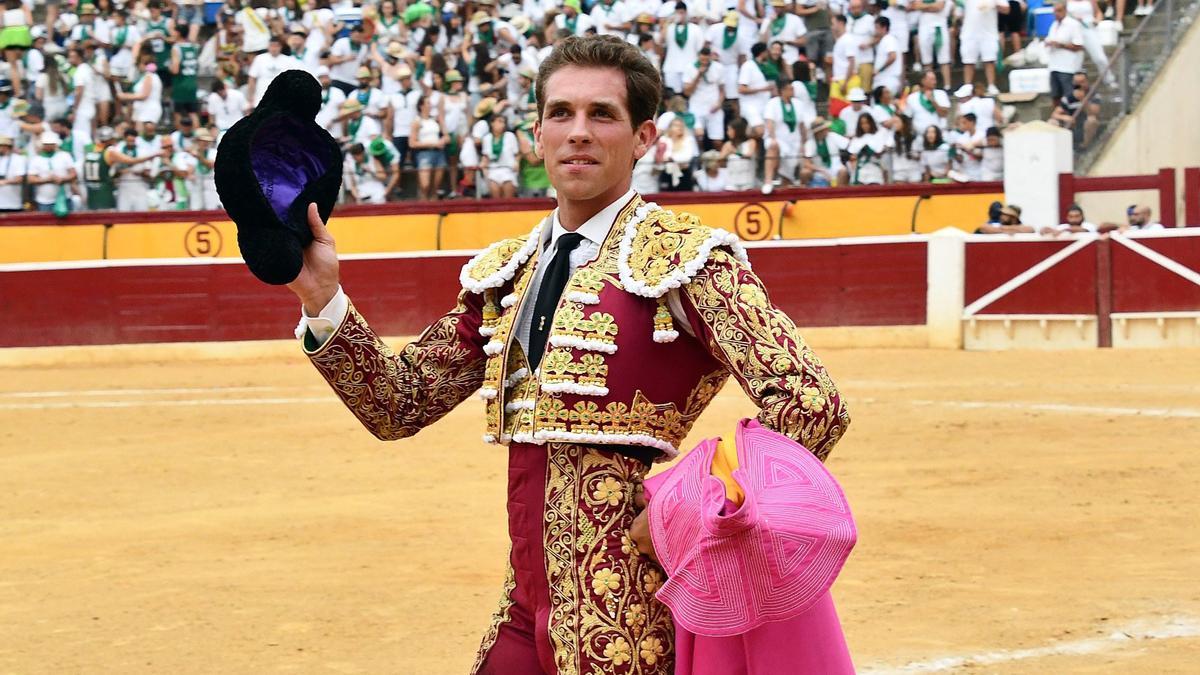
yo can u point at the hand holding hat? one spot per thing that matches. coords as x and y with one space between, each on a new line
270 167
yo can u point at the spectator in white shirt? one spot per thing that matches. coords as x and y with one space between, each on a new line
979 39
860 25
610 17
84 90
712 176
226 106
345 56
683 41
498 159
51 171
933 35
935 155
889 61
784 136
12 176
1139 221
1064 44
823 166
842 58
785 28
730 42
971 100
928 105
704 85
266 67
1076 224
754 88
968 142
991 164
857 108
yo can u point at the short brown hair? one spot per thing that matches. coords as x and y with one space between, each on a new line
643 84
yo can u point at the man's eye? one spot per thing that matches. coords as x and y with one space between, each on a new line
558 113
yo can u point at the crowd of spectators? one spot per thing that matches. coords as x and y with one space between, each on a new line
121 105
1006 219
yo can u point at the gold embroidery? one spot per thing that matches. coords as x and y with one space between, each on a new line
664 241
505 360
496 257
602 618
761 347
501 616
396 395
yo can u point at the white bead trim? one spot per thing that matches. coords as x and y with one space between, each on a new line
666 335
522 404
487 331
508 300
488 393
583 298
505 273
493 347
681 275
542 436
516 377
574 388
581 343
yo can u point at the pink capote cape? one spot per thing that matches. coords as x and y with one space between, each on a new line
748 586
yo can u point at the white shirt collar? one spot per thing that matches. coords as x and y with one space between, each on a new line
595 229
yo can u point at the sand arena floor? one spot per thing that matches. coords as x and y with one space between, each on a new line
1019 513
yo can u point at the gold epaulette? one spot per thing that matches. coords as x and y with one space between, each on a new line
662 249
497 264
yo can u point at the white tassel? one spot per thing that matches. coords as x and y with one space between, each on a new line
666 335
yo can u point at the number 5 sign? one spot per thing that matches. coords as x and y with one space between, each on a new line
202 240
753 222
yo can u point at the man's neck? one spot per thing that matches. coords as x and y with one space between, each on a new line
573 214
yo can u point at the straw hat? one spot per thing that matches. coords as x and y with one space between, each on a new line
204 135
453 76
731 18
351 105
363 73
819 124
479 18
485 107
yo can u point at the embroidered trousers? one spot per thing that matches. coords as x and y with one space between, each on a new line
579 598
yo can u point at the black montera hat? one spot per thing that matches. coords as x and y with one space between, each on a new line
270 166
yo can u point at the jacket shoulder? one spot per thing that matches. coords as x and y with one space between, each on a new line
498 263
663 249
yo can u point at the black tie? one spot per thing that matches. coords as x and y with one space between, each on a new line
548 294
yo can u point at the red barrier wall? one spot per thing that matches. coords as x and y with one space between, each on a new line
1066 288
1141 285
831 285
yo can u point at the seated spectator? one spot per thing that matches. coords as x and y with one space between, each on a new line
824 154
1069 109
905 153
12 176
1138 216
363 176
991 165
884 111
971 99
928 105
868 152
740 154
1075 224
857 108
676 154
712 177
499 159
935 156
967 143
1010 223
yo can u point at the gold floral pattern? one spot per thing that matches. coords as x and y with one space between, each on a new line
761 347
395 395
602 619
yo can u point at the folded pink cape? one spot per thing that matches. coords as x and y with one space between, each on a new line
770 560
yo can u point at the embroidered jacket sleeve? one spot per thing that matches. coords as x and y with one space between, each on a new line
393 394
730 312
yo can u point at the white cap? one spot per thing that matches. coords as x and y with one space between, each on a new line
449 7
49 138
322 71
857 95
965 91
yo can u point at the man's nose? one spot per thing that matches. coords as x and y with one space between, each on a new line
581 130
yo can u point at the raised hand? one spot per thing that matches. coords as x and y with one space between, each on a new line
318 280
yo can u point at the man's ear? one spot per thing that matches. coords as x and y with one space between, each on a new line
537 140
643 139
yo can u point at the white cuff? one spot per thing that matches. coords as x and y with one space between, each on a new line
326 321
